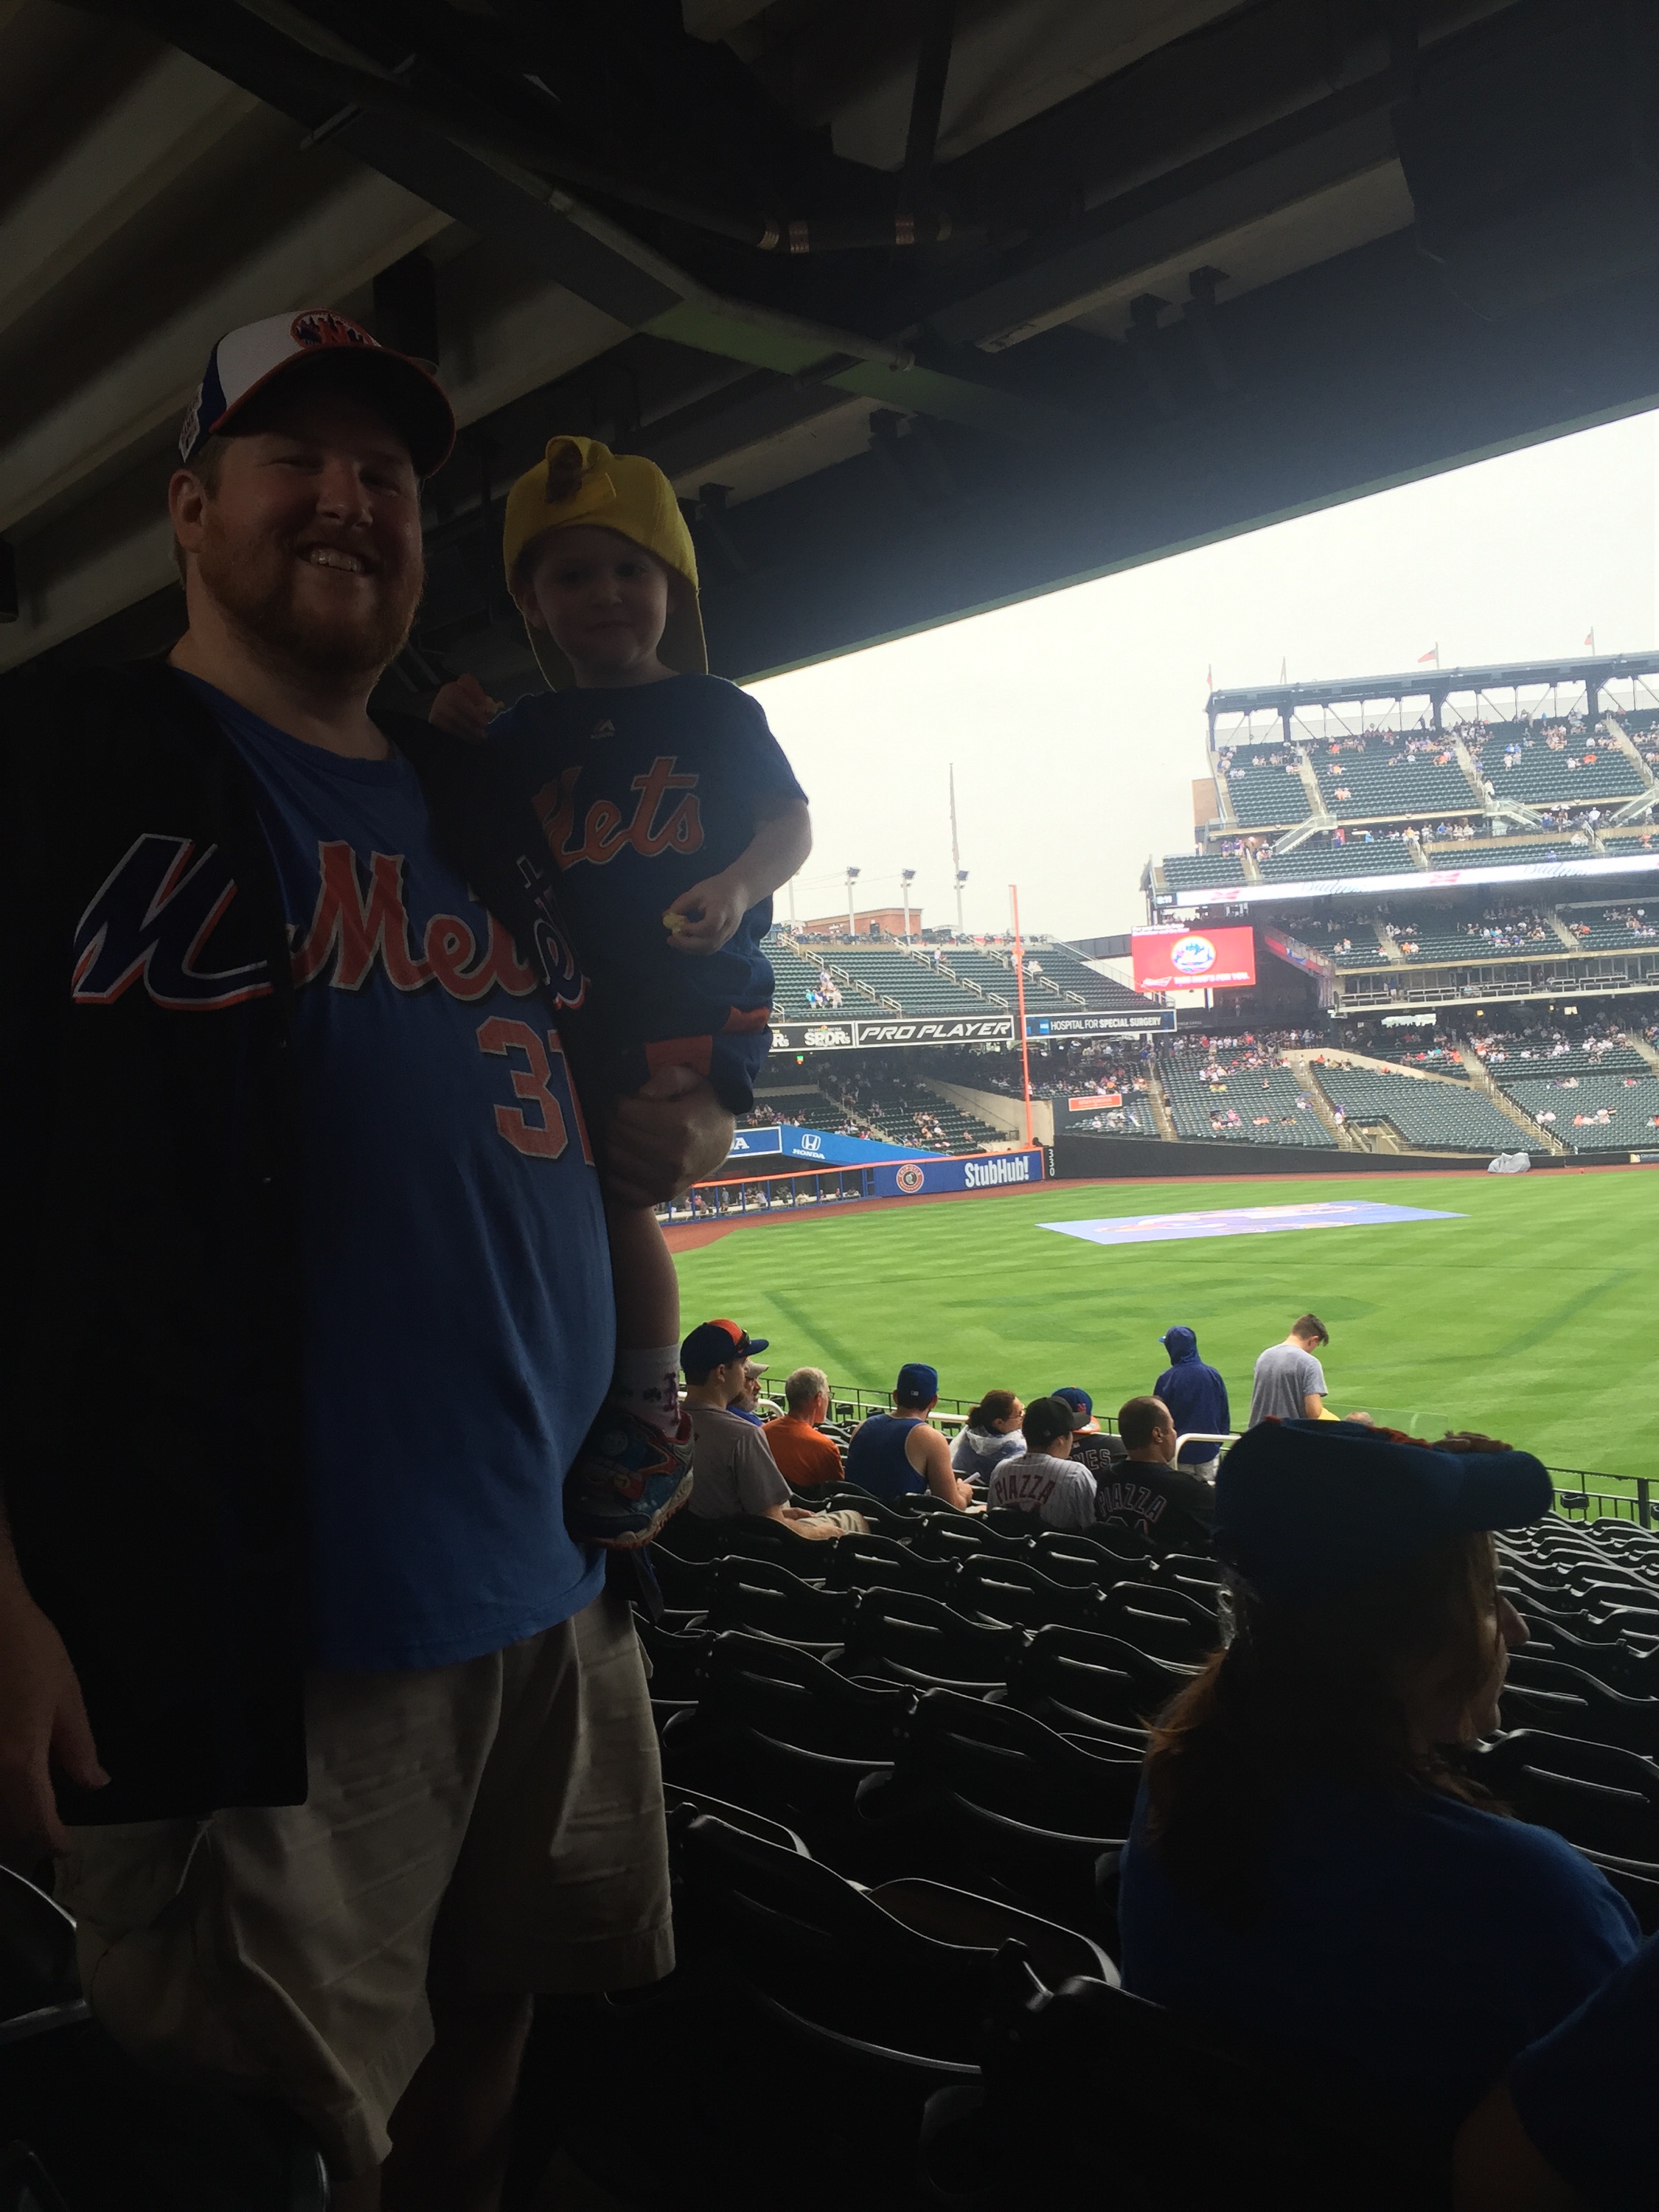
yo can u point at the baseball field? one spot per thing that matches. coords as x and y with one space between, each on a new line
1525 1306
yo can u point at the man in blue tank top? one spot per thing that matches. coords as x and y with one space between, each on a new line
893 1455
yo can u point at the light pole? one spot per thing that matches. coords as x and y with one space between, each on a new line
852 922
962 878
907 876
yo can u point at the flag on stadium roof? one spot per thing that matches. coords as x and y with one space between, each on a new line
1433 655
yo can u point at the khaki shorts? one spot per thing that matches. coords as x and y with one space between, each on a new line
494 1827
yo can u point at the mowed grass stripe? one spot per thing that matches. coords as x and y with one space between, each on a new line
1532 1317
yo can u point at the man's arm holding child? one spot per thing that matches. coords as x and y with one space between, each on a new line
713 909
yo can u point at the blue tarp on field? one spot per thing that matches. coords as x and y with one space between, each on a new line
1243 1221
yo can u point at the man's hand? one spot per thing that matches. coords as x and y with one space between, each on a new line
464 709
43 1721
707 916
665 1137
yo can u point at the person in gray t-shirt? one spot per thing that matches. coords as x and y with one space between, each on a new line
1044 1479
1290 1383
733 1470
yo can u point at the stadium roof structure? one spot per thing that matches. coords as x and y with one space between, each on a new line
924 307
1582 669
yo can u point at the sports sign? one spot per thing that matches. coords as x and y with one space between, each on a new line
1193 959
931 1177
968 1028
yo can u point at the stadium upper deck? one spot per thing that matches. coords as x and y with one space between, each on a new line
1457 834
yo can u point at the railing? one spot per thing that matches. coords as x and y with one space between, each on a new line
769 1191
1574 1500
851 1402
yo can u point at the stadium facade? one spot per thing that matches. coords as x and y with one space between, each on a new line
1443 886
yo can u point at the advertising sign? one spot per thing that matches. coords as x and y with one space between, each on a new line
1101 1101
1167 959
933 1176
970 1029
825 1147
1097 1025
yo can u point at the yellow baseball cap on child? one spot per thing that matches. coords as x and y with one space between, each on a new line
579 481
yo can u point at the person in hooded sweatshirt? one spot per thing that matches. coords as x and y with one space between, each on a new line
1197 1398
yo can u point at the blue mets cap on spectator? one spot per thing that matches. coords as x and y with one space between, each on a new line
1078 1401
1305 1509
250 359
715 1343
917 1385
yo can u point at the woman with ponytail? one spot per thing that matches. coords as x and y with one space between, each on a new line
991 1435
1306 1859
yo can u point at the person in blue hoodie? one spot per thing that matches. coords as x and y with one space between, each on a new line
1197 1398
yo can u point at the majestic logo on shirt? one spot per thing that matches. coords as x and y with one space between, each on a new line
604 833
603 730
150 920
359 929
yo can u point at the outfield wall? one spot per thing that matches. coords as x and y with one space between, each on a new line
1088 1159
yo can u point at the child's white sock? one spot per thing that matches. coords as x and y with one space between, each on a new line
648 1385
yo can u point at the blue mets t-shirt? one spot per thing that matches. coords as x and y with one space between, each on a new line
459 1321
642 791
1418 1938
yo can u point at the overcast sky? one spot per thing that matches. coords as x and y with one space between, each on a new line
1076 721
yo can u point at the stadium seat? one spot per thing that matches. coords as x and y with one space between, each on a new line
1542 1690
830 1963
942 1537
675 1659
1160 1619
83 2127
1093 2097
763 1598
687 1585
860 1563
812 1793
1070 1678
1598 1797
781 1691
953 1748
1018 1593
676 1797
1066 1556
910 1638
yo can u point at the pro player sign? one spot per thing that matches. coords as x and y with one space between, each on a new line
1193 959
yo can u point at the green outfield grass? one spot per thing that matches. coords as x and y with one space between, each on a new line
1533 1317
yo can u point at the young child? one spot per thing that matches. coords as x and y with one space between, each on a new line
672 816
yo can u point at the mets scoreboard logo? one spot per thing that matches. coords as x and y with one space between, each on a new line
1192 955
909 1178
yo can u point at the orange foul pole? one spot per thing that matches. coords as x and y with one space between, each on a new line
1019 981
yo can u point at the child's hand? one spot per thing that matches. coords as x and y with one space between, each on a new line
464 709
707 916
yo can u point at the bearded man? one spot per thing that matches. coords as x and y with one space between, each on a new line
340 1743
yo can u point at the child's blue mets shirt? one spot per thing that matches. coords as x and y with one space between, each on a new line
641 793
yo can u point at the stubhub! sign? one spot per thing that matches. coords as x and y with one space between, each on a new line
933 1177
1193 959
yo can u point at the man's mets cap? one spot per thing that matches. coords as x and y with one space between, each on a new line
1306 1509
917 1385
249 361
1078 1401
716 1344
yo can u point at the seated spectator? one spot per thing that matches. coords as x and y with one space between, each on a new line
746 1404
894 1455
809 1459
1092 1447
990 1435
733 1470
1197 1398
1575 2123
1305 1863
1146 1492
1045 1480
1289 1384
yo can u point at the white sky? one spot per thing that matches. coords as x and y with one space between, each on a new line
1076 721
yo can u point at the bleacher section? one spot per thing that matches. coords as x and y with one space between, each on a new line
1503 853
1441 1116
1349 943
1509 1062
1591 1113
889 1104
1071 975
1248 1105
1437 939
795 977
1381 856
920 989
1378 778
1264 795
1198 872
1611 929
1556 765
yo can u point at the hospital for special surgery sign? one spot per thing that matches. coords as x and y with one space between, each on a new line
1193 959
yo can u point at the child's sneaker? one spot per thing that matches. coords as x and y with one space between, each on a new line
628 1478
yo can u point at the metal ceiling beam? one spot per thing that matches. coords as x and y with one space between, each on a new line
339 245
164 122
546 228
